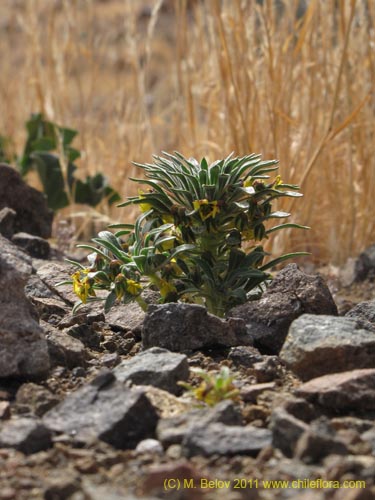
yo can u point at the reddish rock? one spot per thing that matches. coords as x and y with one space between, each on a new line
347 391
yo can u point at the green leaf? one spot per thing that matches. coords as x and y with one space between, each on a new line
287 256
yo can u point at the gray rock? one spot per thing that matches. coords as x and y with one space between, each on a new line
52 273
172 430
25 434
126 317
245 356
291 294
63 349
318 441
157 367
36 288
364 311
32 213
369 437
23 348
185 327
34 245
107 410
365 264
347 391
7 218
224 440
318 345
286 430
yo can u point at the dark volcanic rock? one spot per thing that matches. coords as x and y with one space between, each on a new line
220 439
32 213
157 367
25 434
34 245
318 345
291 294
185 327
348 391
23 348
107 410
7 219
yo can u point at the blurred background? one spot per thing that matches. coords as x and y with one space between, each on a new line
290 79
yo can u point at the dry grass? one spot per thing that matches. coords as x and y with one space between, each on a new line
208 77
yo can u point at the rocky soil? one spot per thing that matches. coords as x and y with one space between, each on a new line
91 408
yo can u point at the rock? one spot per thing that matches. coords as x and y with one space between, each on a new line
286 430
49 308
52 273
318 441
4 410
365 264
249 393
35 399
300 408
369 437
107 410
86 334
36 288
32 213
269 369
224 440
150 446
157 367
7 219
342 392
245 356
166 404
291 294
318 345
364 311
62 486
34 245
185 327
23 348
63 349
25 434
126 316
173 430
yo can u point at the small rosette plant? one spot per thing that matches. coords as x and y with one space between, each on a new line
197 238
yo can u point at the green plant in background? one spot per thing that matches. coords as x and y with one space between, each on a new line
215 387
48 151
197 237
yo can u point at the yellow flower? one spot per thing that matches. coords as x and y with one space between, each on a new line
133 287
145 207
166 288
278 181
83 288
206 208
